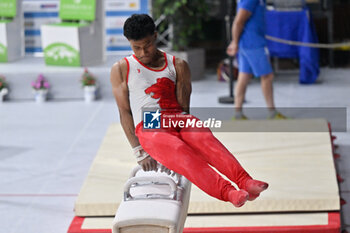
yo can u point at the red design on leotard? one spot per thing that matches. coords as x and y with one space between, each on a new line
164 90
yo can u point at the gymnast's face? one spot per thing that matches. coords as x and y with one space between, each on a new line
145 49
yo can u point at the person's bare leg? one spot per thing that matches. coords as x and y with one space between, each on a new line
267 89
240 90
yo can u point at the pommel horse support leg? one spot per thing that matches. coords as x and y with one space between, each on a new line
153 202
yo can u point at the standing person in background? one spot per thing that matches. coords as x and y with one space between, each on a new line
249 44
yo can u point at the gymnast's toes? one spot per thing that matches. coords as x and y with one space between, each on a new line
238 197
255 187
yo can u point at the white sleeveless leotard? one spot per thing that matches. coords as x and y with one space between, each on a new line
150 88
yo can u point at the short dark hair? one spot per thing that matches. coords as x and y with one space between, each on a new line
139 26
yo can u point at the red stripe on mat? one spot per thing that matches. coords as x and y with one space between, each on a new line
332 227
75 227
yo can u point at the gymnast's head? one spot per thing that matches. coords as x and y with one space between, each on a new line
140 31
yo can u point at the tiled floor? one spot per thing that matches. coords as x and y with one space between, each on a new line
47 149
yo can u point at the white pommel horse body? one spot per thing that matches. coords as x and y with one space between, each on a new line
153 202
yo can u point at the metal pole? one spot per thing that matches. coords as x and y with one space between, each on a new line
231 7
330 31
228 20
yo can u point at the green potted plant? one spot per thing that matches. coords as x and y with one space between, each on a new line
185 20
3 88
185 17
89 84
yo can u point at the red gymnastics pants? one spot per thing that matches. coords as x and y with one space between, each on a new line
189 152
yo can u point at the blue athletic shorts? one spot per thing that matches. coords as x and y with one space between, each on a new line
254 61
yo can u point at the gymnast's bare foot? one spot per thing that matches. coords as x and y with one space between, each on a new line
238 197
254 188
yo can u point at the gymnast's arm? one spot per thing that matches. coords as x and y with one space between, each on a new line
183 84
121 94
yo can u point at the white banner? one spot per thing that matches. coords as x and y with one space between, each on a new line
123 5
3 37
115 22
41 6
69 37
117 40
